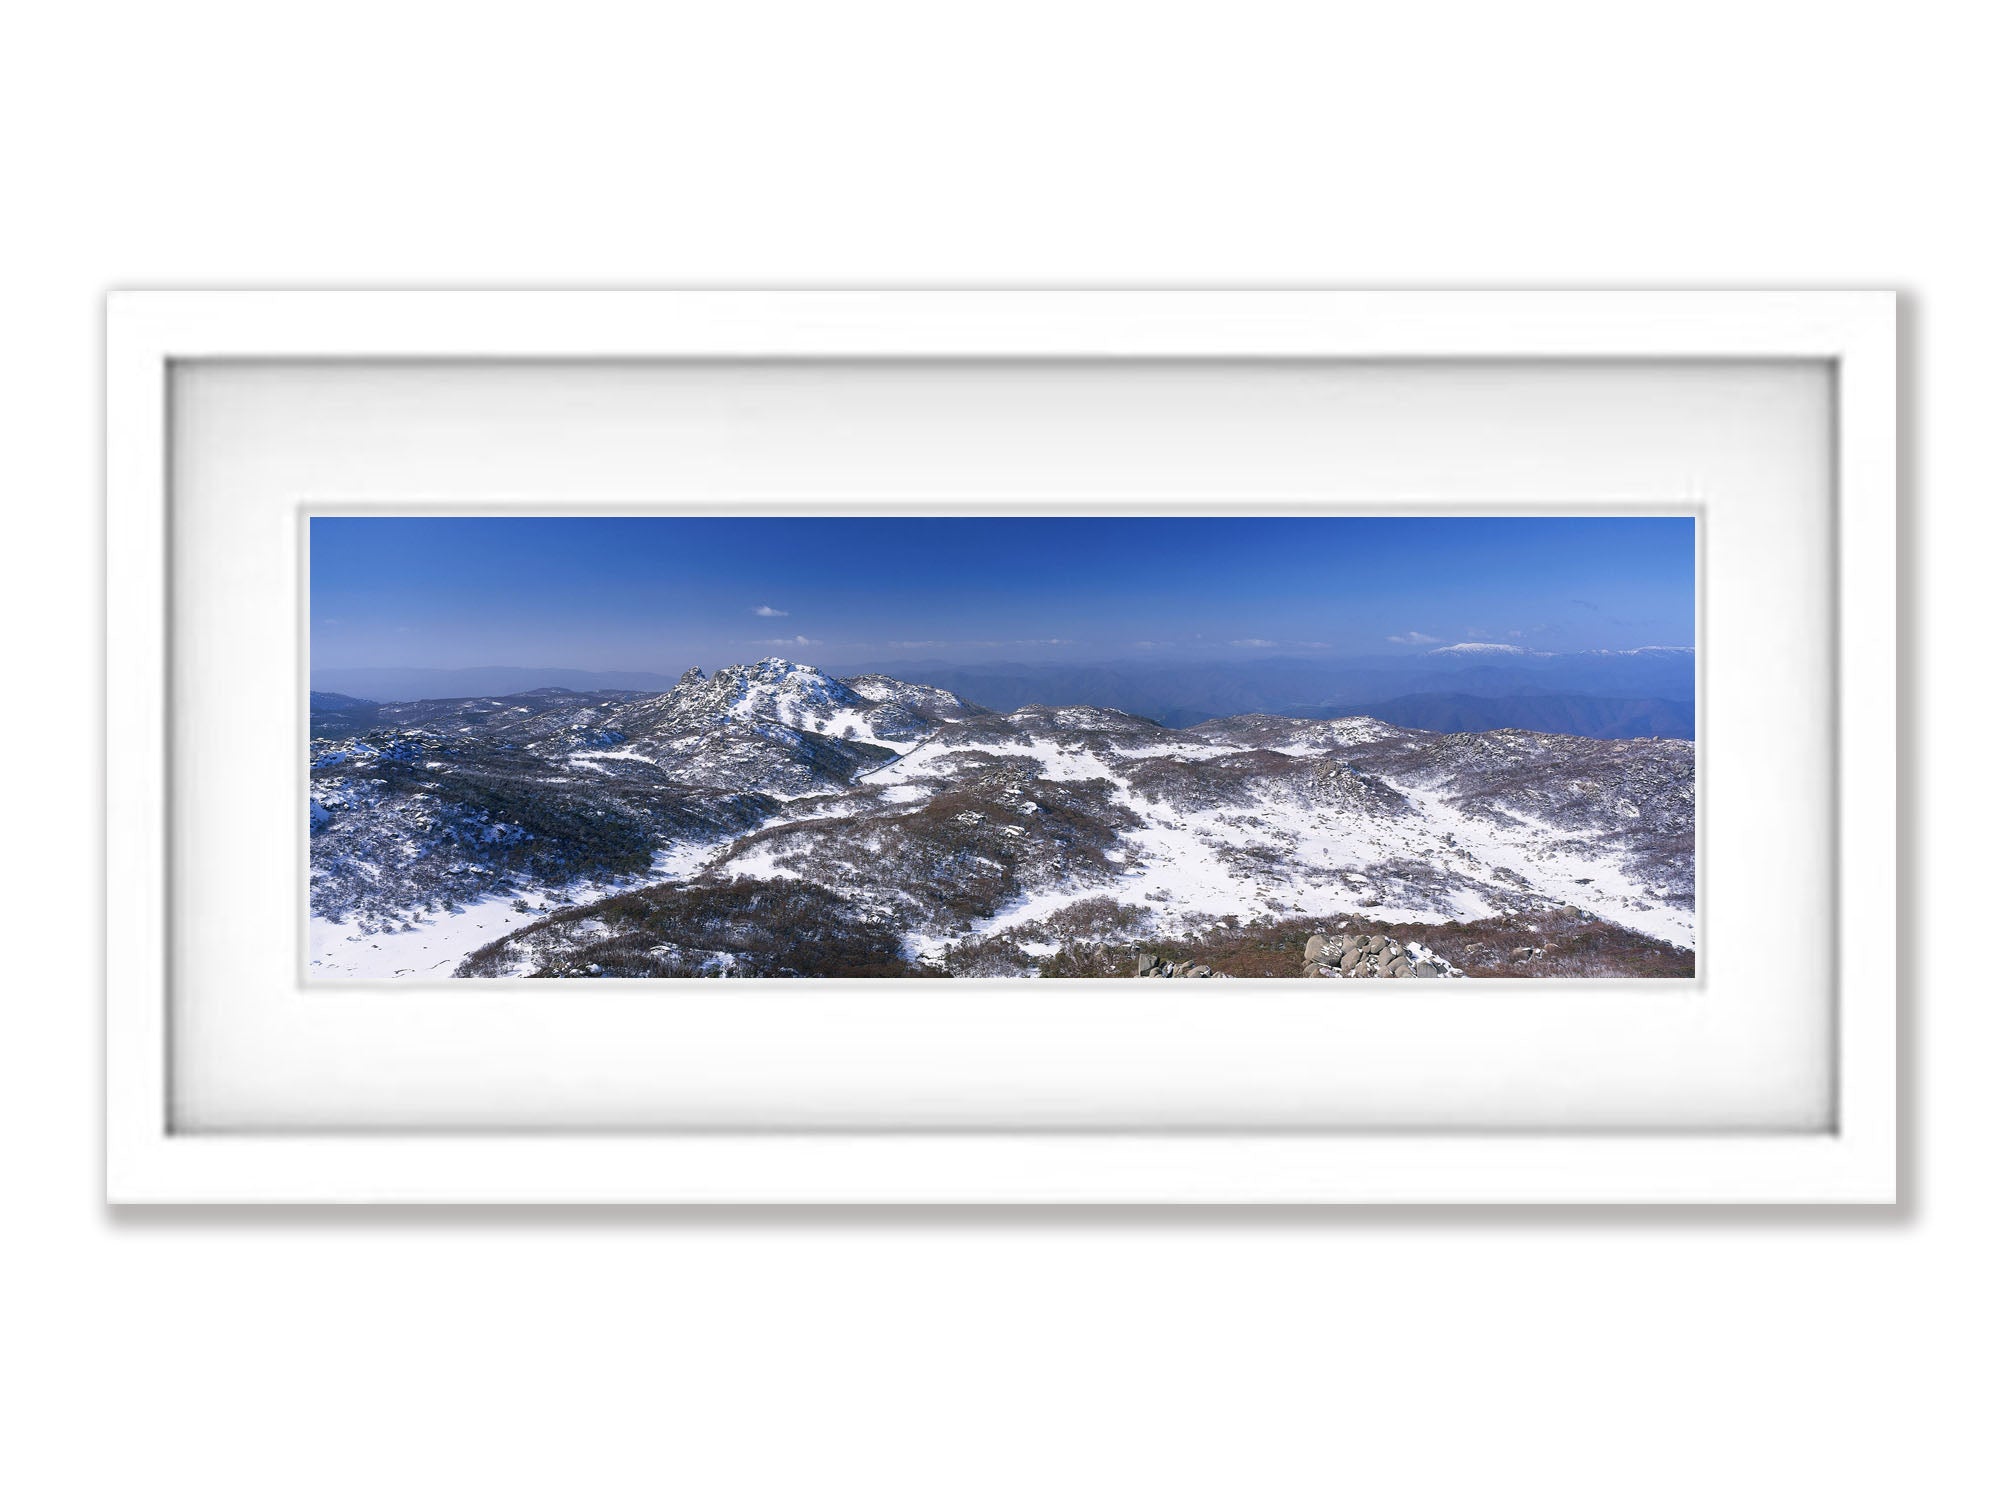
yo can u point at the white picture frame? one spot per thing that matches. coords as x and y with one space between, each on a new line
1852 1160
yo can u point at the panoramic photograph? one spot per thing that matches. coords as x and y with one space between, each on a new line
1001 747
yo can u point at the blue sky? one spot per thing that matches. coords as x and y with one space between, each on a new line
661 593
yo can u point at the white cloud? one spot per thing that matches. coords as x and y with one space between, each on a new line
1253 641
765 612
1413 638
796 640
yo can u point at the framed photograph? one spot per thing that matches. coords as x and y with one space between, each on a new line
1002 747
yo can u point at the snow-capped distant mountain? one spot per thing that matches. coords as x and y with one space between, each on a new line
770 818
1484 648
1502 648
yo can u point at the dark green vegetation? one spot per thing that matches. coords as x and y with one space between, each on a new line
961 856
410 822
765 929
1092 939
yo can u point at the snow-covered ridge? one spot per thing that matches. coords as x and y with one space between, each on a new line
1502 648
938 703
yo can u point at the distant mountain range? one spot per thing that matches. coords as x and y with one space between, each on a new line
1182 692
1546 713
408 684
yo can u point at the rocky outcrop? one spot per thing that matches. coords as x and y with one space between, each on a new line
1360 955
1151 966
1337 955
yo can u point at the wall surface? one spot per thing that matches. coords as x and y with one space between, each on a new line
1444 1353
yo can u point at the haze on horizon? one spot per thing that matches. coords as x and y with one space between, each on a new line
655 594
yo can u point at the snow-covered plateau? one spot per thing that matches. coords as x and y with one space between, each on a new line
772 819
